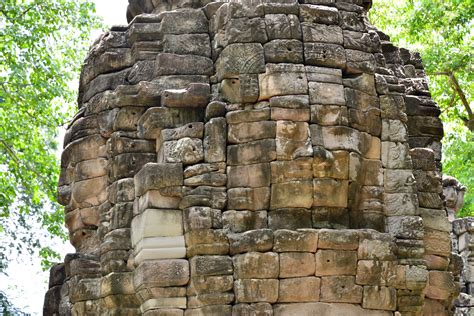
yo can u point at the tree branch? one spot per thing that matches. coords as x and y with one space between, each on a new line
17 159
458 90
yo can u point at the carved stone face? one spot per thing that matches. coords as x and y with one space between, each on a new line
453 193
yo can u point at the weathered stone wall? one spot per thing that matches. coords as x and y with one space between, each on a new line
253 158
463 231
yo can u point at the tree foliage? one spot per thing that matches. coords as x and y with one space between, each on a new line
43 43
442 31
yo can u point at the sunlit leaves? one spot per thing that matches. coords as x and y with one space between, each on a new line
43 43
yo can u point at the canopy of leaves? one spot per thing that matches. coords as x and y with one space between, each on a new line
43 43
442 31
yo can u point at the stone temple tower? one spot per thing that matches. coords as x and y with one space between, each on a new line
253 157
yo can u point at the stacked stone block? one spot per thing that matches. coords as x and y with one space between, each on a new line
222 153
463 245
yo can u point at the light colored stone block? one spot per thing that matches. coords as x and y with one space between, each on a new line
158 254
160 243
157 223
155 199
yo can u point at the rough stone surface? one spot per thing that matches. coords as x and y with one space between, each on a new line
256 157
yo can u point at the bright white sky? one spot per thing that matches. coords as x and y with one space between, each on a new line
26 284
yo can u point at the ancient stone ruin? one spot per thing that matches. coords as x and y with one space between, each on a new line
253 157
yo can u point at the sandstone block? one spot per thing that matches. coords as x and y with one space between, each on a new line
292 140
296 115
163 302
326 93
319 14
256 290
359 62
296 264
242 116
339 138
320 308
256 265
384 298
246 30
241 58
173 64
157 176
440 285
185 150
210 310
285 171
248 198
336 262
282 79
89 193
159 254
213 179
210 299
340 289
260 240
252 152
246 132
394 131
324 74
210 284
291 194
121 191
211 266
206 242
437 242
396 155
396 180
328 115
254 176
215 140
377 247
157 199
289 218
284 51
260 309
156 223
330 193
400 204
299 290
241 221
184 22
322 33
214 197
155 119
187 44
196 95
405 227
290 102
215 109
304 240
91 169
338 239
197 218
325 55
203 168
161 273
282 26
327 164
